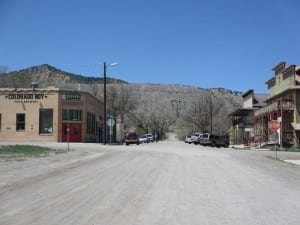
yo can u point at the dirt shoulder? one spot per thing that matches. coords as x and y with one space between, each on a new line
14 172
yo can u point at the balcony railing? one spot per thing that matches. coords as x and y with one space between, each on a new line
286 105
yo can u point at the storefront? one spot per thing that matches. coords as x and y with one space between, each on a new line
50 115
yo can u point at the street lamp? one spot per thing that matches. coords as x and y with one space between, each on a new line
104 81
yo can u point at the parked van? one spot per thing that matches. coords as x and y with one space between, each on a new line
205 139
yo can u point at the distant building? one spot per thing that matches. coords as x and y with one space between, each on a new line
242 127
50 114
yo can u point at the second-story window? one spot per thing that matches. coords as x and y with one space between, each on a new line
71 114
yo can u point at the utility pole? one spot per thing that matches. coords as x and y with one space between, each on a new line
104 112
210 113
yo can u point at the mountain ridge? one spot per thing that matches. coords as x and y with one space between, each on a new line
46 73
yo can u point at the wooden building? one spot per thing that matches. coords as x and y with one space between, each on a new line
242 126
282 105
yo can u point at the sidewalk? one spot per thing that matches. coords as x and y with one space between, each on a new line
290 157
296 162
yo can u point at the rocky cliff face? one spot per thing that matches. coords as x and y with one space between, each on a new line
43 75
47 73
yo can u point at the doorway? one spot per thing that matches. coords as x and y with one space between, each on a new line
74 132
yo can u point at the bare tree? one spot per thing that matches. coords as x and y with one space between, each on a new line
154 115
120 100
200 115
196 117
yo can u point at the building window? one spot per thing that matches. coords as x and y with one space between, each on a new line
46 121
91 123
20 122
71 115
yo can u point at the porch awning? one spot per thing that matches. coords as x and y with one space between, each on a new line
241 112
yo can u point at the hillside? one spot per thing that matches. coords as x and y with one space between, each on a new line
175 102
46 75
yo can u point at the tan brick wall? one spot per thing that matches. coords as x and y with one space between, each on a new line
26 102
30 102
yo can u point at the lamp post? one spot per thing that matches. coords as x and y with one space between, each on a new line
104 102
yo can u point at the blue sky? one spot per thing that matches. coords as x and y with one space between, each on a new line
233 44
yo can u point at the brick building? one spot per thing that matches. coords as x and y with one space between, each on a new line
48 114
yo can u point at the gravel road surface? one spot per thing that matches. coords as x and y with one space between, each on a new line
164 183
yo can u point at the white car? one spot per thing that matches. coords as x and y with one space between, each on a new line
188 139
195 138
143 139
150 137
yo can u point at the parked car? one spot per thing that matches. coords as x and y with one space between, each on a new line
188 139
205 139
143 139
195 138
131 138
214 140
150 137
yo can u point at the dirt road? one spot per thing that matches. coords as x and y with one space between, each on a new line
165 183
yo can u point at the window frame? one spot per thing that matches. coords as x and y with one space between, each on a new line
20 122
45 129
71 114
91 123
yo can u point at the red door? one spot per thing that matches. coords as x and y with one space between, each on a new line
74 132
